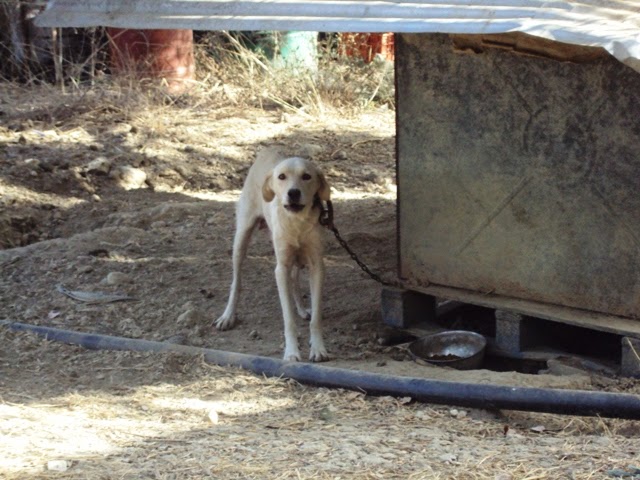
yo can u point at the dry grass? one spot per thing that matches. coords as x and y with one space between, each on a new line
244 75
130 415
229 74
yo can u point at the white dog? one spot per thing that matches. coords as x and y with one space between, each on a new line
286 194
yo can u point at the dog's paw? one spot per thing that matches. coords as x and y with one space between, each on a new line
318 354
225 322
291 357
291 354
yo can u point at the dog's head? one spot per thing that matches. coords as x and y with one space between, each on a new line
295 183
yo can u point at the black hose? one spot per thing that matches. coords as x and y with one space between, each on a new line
570 402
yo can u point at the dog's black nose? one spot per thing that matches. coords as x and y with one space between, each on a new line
294 195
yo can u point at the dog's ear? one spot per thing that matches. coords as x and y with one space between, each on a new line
267 190
324 190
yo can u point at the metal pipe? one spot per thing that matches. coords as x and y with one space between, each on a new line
569 402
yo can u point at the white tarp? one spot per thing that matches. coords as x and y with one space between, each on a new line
611 24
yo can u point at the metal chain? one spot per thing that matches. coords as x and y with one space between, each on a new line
326 220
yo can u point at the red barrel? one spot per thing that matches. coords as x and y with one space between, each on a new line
367 45
154 54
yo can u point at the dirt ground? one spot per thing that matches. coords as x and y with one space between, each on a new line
139 200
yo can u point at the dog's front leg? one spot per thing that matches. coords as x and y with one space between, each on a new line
318 352
303 313
244 230
283 280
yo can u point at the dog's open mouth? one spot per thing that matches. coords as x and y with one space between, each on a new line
294 207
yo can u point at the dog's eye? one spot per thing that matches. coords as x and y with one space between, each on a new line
306 176
282 176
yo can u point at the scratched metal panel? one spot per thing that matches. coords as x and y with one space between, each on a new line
519 174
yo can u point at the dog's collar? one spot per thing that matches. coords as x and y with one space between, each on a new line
325 217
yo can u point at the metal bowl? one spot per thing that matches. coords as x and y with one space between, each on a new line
456 348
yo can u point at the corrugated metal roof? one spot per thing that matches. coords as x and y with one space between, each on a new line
612 24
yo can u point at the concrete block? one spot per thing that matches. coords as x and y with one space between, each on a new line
630 361
515 332
406 308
